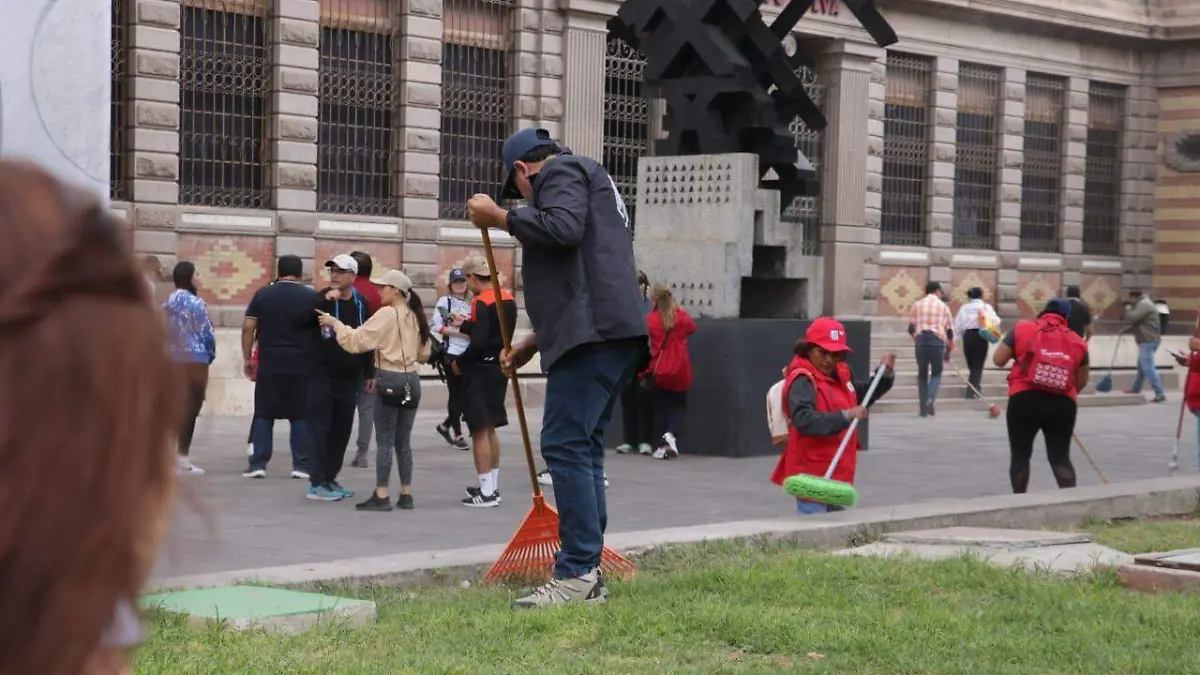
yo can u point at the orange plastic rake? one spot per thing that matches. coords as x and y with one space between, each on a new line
529 556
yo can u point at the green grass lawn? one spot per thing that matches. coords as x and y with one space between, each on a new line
725 608
1146 536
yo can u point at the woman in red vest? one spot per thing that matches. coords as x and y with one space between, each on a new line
670 368
1191 391
821 397
1050 367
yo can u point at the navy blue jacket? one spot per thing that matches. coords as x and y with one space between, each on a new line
579 274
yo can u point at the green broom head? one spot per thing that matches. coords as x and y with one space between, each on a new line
821 490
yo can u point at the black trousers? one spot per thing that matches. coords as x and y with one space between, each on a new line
332 404
637 414
455 390
197 385
975 349
1054 416
669 407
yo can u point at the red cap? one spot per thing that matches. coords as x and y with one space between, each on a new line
828 334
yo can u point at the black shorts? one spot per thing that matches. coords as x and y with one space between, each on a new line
485 390
281 397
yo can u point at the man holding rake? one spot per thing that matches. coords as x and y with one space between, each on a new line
581 293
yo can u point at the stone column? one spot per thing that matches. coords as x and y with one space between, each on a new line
418 137
1008 194
525 65
1139 171
852 194
942 158
1074 166
153 167
585 54
294 31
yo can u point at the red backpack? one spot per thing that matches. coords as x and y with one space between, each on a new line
1049 364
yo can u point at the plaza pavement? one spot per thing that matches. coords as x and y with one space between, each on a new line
224 522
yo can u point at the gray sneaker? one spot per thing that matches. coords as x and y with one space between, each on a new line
585 589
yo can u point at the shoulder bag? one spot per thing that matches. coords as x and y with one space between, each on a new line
394 389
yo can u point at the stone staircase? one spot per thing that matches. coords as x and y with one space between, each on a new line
890 336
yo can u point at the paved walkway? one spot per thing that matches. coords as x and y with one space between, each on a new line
225 522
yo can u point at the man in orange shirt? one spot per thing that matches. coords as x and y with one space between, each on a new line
932 329
484 384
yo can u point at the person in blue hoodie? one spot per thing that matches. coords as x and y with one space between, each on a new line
193 346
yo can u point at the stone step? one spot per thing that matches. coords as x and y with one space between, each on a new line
957 403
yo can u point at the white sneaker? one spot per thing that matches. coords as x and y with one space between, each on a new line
254 473
544 479
671 448
585 589
606 480
299 475
660 453
183 465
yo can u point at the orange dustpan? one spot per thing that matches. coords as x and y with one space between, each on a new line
529 556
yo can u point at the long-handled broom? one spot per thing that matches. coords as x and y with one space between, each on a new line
825 490
1091 460
1105 384
529 556
1173 467
993 409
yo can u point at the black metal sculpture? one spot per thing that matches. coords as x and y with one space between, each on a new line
727 81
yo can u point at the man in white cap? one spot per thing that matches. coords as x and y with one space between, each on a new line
333 386
589 323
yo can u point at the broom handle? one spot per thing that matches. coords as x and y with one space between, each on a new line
506 338
879 372
1090 459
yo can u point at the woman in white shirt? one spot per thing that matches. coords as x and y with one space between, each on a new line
967 323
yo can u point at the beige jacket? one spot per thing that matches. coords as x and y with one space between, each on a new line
393 334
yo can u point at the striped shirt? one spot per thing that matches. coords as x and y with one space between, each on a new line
932 315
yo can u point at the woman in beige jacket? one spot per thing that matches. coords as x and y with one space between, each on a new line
399 335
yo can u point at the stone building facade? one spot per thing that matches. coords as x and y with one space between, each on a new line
1019 145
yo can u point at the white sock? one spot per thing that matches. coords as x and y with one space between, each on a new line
496 479
486 485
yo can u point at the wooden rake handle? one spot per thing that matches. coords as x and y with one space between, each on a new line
506 337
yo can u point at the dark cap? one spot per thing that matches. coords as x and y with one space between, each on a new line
1057 306
457 274
517 146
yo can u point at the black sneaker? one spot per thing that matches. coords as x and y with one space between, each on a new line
601 589
477 500
1158 399
931 411
404 502
473 489
375 503
444 432
461 443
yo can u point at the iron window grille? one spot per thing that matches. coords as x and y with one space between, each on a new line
1102 170
806 211
355 167
118 110
976 156
223 103
905 149
1042 172
626 120
476 101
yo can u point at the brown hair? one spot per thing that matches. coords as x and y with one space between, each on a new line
89 408
664 302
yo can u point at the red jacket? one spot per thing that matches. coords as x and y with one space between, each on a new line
1023 336
669 358
370 293
812 454
1192 393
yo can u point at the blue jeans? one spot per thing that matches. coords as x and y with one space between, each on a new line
581 389
262 436
1147 369
813 508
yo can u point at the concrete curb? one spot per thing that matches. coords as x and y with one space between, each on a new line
1156 497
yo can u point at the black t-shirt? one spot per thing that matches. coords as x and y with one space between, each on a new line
1080 317
287 319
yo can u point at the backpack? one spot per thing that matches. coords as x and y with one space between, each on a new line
1048 363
